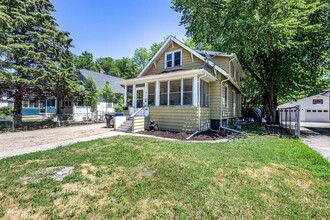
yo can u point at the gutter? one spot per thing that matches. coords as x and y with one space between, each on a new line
199 107
199 101
221 108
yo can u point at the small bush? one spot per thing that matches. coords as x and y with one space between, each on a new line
5 111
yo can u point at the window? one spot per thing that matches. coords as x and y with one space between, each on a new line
204 94
34 104
325 110
173 59
187 91
308 110
317 101
25 104
226 96
129 95
151 94
163 93
319 110
177 58
233 103
175 92
168 60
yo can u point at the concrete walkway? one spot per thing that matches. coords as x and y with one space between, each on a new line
317 136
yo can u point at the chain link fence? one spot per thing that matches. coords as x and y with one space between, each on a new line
289 119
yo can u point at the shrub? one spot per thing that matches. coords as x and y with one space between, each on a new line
5 111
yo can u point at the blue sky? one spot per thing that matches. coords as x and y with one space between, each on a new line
116 28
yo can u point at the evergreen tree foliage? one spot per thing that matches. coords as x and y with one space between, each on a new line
108 94
31 50
91 93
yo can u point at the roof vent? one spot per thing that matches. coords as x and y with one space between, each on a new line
200 45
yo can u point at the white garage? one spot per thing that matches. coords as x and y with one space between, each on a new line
314 108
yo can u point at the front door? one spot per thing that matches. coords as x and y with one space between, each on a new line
139 98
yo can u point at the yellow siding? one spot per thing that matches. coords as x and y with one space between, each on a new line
187 62
138 123
228 111
222 62
179 118
205 117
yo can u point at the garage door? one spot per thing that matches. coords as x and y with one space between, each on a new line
313 115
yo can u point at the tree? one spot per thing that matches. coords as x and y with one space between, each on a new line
141 57
283 44
105 63
31 48
126 68
92 94
108 94
85 61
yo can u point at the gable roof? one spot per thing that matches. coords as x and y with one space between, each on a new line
101 79
168 42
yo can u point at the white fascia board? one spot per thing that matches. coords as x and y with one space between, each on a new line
160 77
169 76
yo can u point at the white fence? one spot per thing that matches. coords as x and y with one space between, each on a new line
290 119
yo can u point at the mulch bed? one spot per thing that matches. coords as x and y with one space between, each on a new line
209 135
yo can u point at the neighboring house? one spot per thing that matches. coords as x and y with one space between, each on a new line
314 108
78 109
101 79
31 107
181 88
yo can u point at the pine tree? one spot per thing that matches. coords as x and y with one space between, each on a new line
33 50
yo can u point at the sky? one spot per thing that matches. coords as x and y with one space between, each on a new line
116 28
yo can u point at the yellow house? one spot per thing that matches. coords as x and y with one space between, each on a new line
180 88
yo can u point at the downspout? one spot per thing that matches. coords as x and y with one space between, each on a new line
199 101
221 108
199 107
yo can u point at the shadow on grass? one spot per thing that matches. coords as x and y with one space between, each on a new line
258 129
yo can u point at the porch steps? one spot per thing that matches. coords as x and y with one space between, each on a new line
126 127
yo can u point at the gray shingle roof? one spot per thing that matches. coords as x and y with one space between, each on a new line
101 79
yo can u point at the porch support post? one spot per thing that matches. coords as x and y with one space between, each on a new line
134 97
157 93
125 96
145 95
195 92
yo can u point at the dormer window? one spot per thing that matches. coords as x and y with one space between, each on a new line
173 59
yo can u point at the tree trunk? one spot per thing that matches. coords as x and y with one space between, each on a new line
269 104
18 98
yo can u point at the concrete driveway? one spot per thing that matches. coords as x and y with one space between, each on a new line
317 136
16 143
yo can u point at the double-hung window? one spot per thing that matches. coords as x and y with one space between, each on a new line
187 91
173 59
233 101
163 93
226 96
151 94
129 94
204 94
175 92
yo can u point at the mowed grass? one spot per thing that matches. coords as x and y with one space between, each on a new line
255 176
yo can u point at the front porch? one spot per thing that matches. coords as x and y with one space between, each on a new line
178 101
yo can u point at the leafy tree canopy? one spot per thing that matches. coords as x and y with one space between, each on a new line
283 44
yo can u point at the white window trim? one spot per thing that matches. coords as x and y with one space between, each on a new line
201 92
172 52
157 91
233 98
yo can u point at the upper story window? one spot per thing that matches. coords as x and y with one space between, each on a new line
317 101
173 59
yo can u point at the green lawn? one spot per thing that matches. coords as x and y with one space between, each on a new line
255 176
